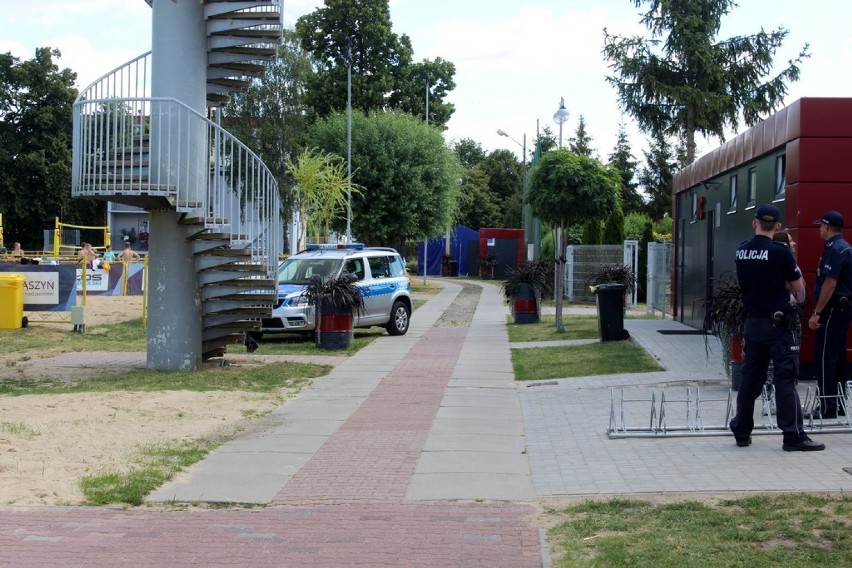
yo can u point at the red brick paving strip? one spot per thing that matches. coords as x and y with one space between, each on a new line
343 508
373 455
435 535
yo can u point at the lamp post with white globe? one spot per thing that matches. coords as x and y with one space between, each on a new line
560 117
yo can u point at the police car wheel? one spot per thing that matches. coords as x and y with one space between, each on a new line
399 320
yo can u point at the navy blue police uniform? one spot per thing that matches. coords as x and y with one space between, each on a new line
834 320
764 267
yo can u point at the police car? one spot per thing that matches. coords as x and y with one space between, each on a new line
379 272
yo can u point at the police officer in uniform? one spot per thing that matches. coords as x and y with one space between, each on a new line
832 314
767 275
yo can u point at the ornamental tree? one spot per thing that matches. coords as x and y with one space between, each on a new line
566 188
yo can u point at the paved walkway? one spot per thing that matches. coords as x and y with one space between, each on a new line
422 451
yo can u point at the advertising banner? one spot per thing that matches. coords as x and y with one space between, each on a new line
47 288
97 280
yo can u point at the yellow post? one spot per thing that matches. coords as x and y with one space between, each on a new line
83 279
145 292
107 240
56 237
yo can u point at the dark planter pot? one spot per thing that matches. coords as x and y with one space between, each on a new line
486 272
449 268
737 349
525 305
334 326
737 360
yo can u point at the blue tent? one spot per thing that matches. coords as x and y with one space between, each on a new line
460 237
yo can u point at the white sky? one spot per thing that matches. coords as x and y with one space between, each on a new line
514 60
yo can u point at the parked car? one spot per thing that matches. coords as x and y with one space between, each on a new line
380 273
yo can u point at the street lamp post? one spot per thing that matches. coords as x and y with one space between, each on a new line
426 240
525 211
560 117
349 142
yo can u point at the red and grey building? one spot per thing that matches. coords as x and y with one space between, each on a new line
800 160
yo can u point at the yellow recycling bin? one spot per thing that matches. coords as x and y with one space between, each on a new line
11 300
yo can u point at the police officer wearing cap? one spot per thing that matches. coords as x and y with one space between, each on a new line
832 315
767 275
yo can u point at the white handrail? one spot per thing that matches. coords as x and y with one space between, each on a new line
129 143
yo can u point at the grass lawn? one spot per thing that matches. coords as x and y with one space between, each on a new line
759 531
612 357
303 343
576 327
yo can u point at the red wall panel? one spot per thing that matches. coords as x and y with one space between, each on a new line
825 117
825 159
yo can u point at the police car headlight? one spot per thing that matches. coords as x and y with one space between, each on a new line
298 301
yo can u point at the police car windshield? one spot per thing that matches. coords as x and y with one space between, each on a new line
300 270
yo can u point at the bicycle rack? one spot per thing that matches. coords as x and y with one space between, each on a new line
690 412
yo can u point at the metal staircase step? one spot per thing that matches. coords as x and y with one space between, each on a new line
212 277
205 222
253 298
255 53
247 35
137 178
242 267
218 305
228 84
224 253
230 321
253 69
247 312
136 161
220 332
232 291
211 236
210 262
216 58
217 347
218 73
215 8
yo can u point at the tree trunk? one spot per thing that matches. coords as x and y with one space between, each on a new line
690 134
559 277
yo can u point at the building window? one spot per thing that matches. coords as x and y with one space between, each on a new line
751 195
732 196
780 176
694 207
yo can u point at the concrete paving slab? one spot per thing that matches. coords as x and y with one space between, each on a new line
278 440
467 461
487 416
470 486
507 444
488 426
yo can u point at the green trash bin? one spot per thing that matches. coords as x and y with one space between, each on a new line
11 300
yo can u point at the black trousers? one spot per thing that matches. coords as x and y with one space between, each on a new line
830 354
764 343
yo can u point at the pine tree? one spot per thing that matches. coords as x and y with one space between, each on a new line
592 232
581 143
622 159
682 80
656 177
613 233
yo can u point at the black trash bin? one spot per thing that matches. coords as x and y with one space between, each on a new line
610 301
454 268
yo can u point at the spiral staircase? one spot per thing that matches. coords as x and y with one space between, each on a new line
158 153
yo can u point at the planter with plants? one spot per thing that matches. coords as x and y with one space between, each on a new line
611 283
449 266
723 317
486 266
336 300
526 286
